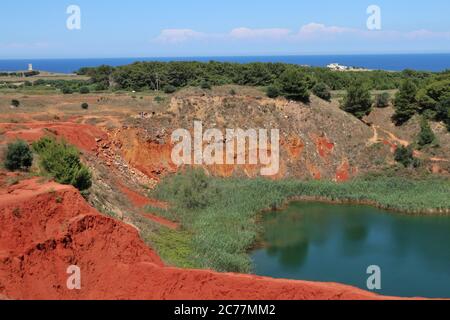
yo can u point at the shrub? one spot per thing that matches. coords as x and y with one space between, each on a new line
159 99
405 102
85 106
358 100
15 103
205 85
62 162
322 91
294 85
426 135
405 156
84 90
273 92
190 189
18 156
67 90
170 89
443 110
382 100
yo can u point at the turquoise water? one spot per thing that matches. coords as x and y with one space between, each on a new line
337 243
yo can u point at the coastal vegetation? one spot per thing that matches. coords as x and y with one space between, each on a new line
61 161
221 227
156 75
358 100
18 156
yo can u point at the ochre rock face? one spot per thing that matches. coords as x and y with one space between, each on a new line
47 227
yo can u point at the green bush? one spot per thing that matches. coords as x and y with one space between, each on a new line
18 156
15 103
273 92
294 85
169 89
322 91
205 85
426 135
405 102
67 90
382 100
159 99
84 90
85 106
191 189
358 100
405 156
62 162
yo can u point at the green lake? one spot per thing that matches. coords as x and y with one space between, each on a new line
337 243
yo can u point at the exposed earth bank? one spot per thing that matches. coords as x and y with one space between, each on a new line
47 227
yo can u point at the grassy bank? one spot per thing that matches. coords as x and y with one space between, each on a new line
221 214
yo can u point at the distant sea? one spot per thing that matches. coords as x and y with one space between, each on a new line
390 62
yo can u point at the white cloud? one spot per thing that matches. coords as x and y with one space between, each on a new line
247 33
318 28
427 34
179 35
311 31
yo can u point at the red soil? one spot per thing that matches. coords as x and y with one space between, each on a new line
140 201
324 146
82 136
48 227
343 172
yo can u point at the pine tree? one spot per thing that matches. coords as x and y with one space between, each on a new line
426 135
358 100
405 102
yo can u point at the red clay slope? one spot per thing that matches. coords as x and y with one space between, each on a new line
45 228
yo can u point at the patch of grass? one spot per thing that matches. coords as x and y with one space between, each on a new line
224 229
174 247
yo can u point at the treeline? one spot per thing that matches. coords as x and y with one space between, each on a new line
431 100
160 75
19 74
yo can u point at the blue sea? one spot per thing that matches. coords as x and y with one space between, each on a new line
390 62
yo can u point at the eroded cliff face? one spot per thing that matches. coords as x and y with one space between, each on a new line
316 141
47 227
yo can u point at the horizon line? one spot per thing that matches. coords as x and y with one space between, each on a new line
234 56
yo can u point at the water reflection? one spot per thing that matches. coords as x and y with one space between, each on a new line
314 241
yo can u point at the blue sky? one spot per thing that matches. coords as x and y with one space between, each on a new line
143 28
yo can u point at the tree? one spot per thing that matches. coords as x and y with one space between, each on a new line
15 103
405 102
382 100
205 85
322 91
358 100
426 135
84 90
18 156
170 89
67 90
405 156
273 92
294 85
85 106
